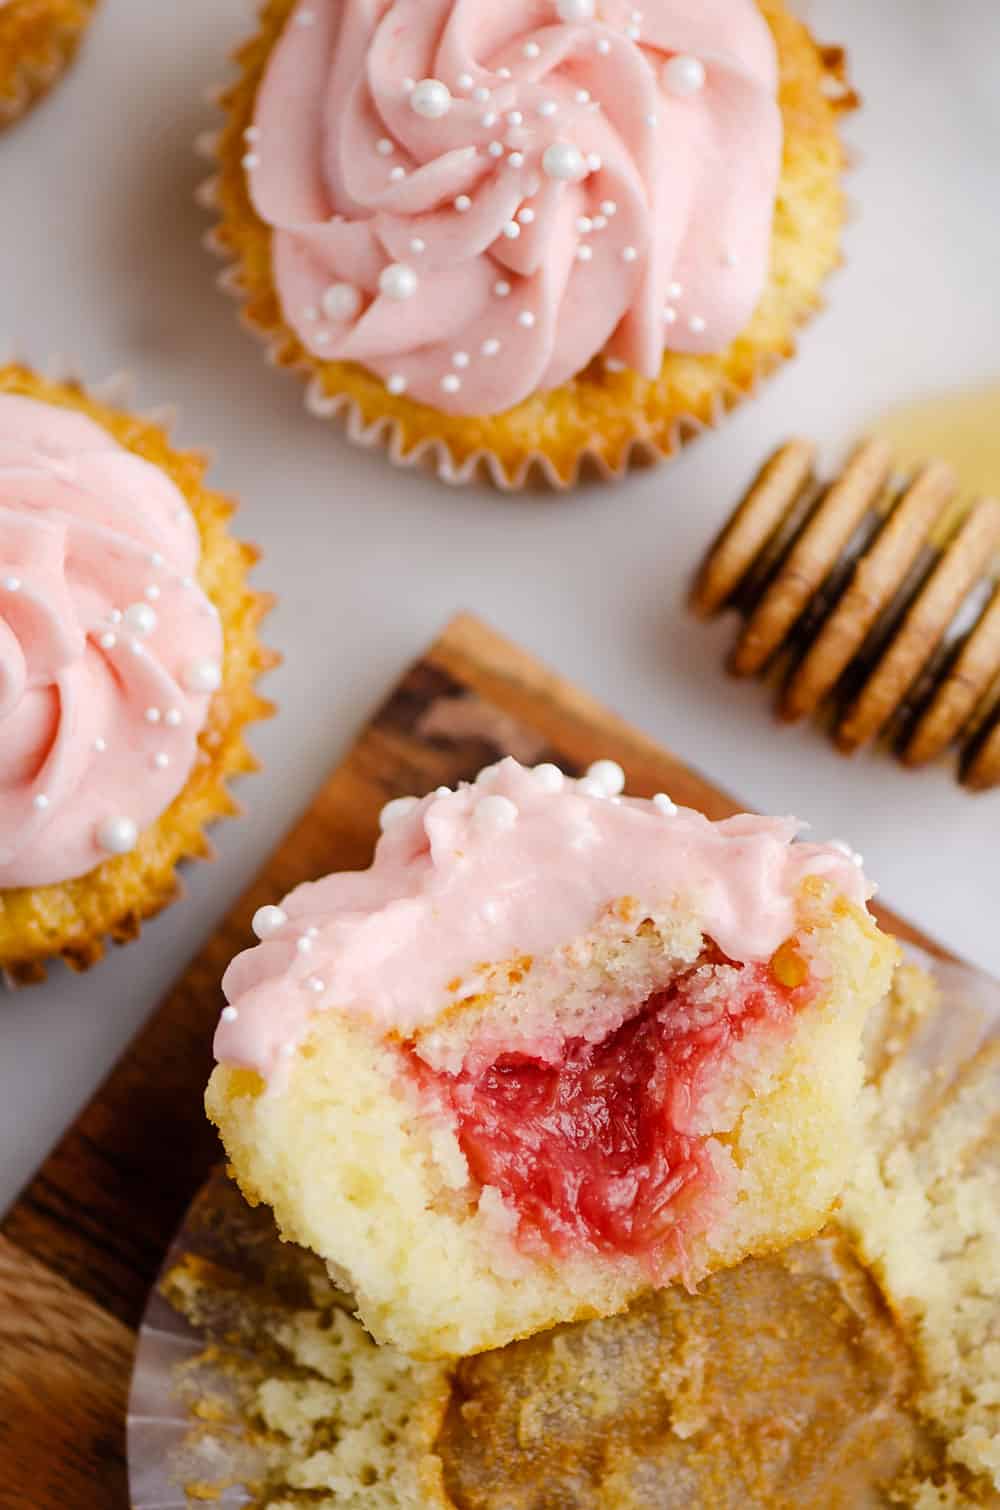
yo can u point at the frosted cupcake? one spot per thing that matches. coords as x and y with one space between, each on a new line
128 653
542 230
38 41
555 1049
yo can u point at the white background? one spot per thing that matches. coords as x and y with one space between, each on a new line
101 261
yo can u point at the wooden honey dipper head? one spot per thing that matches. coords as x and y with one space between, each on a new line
877 599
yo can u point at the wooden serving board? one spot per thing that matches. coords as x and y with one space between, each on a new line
82 1245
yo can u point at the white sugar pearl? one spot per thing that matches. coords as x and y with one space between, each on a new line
548 777
515 118
652 119
395 810
531 50
495 149
156 559
40 801
117 836
108 641
600 222
304 944
603 46
100 744
316 984
512 230
582 96
463 203
526 318
173 717
584 253
268 920
341 301
140 618
547 109
608 208
489 119
584 225
526 216
729 259
504 73
450 383
609 775
595 162
152 715
396 383
633 31
614 364
460 359
418 245
629 254
465 81
495 813
384 147
251 160
564 161
229 1014
675 290
431 98
252 134
397 175
669 315
481 94
516 160
663 805
12 584
697 324
161 760
683 76
152 592
397 281
501 288
575 10
491 347
202 676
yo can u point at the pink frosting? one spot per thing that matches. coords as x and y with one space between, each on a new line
661 242
450 888
102 632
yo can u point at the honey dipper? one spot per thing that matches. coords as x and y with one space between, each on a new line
879 598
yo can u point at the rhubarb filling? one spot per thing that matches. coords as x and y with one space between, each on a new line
608 1150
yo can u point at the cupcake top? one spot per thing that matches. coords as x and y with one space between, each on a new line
474 199
109 649
518 863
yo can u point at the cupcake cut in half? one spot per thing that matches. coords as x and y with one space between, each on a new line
541 231
555 1048
128 656
38 41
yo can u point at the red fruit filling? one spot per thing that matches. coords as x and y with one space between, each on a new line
592 1152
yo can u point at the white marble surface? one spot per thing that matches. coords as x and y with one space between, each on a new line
100 260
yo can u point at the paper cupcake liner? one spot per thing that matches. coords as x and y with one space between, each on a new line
188 1425
224 745
28 75
433 453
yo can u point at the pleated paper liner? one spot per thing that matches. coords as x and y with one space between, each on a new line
39 40
636 423
859 1369
75 920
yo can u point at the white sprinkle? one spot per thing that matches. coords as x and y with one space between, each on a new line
188 582
504 73
491 347
463 203
584 253
697 324
252 134
161 760
501 288
683 76
450 383
495 149
137 647
481 93
397 281
629 254
312 932
152 715
12 584
108 641
117 835
663 804
460 359
603 46
609 208
384 147
563 161
582 96
526 216
395 810
489 119
531 50
40 801
512 230
584 225
202 676
633 31
268 920
316 983
156 559
100 744
396 383
140 618
590 788
600 222
304 944
229 1014
495 813
548 777
251 160
152 592
609 775
322 337
515 118
526 318
409 84
652 119
443 791
595 162
465 81
430 98
675 290
172 717
547 108
418 245
288 1050
305 18
669 315
397 175
516 160
115 615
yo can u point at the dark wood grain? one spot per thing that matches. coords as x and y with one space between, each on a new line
82 1245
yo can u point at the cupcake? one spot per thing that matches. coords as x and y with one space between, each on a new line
554 1049
544 231
128 655
38 41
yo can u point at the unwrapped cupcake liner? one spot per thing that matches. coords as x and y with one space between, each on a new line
118 391
190 1435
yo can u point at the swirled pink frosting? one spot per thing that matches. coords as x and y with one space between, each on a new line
103 631
455 884
519 278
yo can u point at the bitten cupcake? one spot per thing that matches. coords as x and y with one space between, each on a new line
38 42
538 231
128 655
